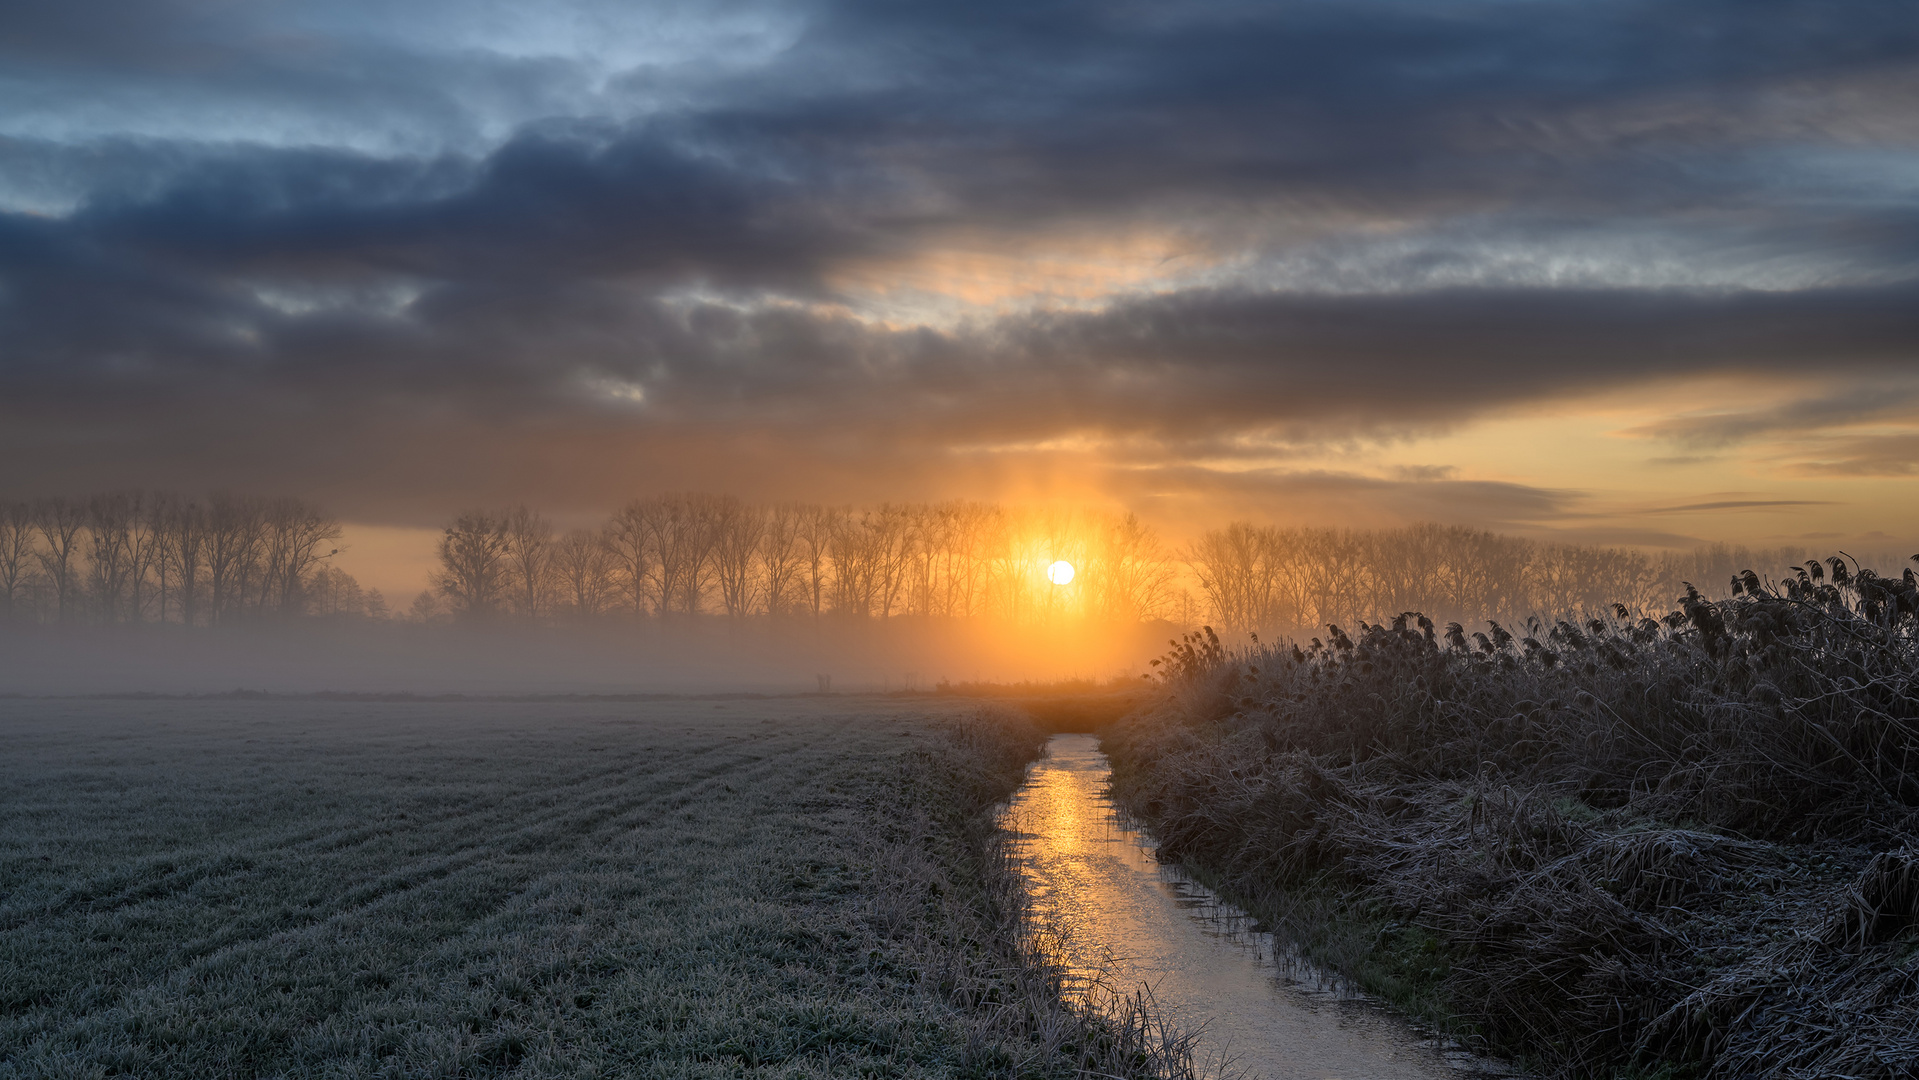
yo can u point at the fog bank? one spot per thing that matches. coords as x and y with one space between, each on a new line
670 656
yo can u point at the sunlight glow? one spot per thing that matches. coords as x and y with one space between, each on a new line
1060 573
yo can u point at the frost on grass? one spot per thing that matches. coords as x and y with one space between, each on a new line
1611 842
206 889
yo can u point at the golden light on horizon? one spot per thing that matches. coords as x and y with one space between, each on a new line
1060 573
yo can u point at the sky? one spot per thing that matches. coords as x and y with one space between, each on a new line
1614 272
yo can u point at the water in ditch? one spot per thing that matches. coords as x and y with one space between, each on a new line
1119 913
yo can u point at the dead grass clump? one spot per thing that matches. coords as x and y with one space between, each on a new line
1619 841
1837 997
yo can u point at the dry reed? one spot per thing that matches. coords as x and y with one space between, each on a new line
1624 842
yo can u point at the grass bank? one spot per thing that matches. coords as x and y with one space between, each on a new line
1616 846
561 889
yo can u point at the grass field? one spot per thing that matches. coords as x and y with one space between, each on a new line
320 889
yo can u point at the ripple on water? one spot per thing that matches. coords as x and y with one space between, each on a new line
1119 914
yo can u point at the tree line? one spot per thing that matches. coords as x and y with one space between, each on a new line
692 554
134 557
141 557
1298 580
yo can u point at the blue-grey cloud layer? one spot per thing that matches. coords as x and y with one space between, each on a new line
402 244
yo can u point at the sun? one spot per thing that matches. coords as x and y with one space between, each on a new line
1060 573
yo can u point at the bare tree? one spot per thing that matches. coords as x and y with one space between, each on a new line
924 590
17 550
333 593
1234 570
1475 568
1346 575
871 558
896 534
1003 567
146 568
427 607
964 577
473 565
1133 575
703 515
629 542
855 553
529 562
186 553
683 531
292 534
60 522
817 526
780 556
232 546
584 563
110 521
737 533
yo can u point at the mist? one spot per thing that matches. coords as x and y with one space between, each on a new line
703 655
135 592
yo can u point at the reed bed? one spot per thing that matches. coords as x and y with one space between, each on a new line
1612 844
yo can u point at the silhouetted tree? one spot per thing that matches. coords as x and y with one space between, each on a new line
584 562
60 522
109 528
681 530
817 526
780 557
529 562
1131 576
472 576
292 536
629 540
737 532
17 550
185 550
232 547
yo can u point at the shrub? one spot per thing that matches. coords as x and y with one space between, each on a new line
1591 816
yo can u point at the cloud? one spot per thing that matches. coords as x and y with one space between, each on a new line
541 251
1864 456
1735 504
1187 377
1891 394
1327 496
1425 472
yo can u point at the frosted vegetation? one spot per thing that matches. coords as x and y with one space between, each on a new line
1608 843
424 890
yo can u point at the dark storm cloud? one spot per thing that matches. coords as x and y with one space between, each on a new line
559 203
655 254
476 376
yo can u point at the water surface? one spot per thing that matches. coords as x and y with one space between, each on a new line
1121 914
